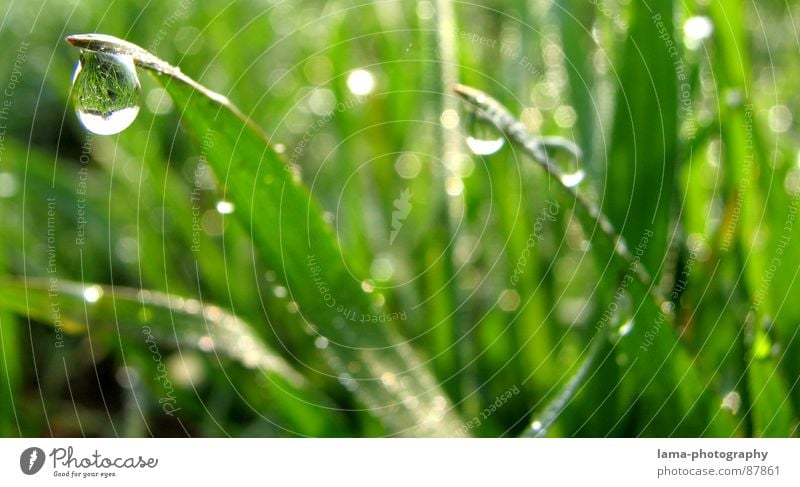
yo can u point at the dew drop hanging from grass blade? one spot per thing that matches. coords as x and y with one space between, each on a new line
483 138
105 92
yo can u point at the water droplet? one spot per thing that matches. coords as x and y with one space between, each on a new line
454 186
186 369
573 179
449 119
780 118
566 156
360 82
8 185
127 377
408 166
483 138
509 300
484 147
625 328
105 92
731 402
348 382
205 343
92 294
696 29
389 379
382 269
225 207
321 342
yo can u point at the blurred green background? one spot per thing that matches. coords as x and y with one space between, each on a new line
476 262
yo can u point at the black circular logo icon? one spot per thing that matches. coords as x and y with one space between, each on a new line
31 460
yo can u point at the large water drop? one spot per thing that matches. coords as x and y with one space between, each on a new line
567 157
483 138
105 92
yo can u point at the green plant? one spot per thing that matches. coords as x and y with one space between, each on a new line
352 269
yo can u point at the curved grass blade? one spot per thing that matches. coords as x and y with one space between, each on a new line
287 226
542 423
654 353
173 321
537 149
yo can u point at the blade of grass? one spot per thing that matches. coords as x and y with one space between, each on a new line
451 151
663 357
640 172
575 21
173 321
755 233
292 237
549 415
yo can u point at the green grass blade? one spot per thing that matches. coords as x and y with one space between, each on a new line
654 354
640 171
292 237
175 322
770 401
549 415
575 21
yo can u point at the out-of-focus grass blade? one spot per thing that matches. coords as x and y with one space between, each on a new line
755 234
173 321
575 21
9 361
650 346
292 237
770 402
544 420
294 240
641 160
9 374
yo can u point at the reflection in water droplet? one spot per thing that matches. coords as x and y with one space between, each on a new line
105 92
483 138
573 179
484 147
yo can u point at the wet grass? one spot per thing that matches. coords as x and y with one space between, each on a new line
367 273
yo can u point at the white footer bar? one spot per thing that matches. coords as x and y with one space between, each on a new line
400 462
